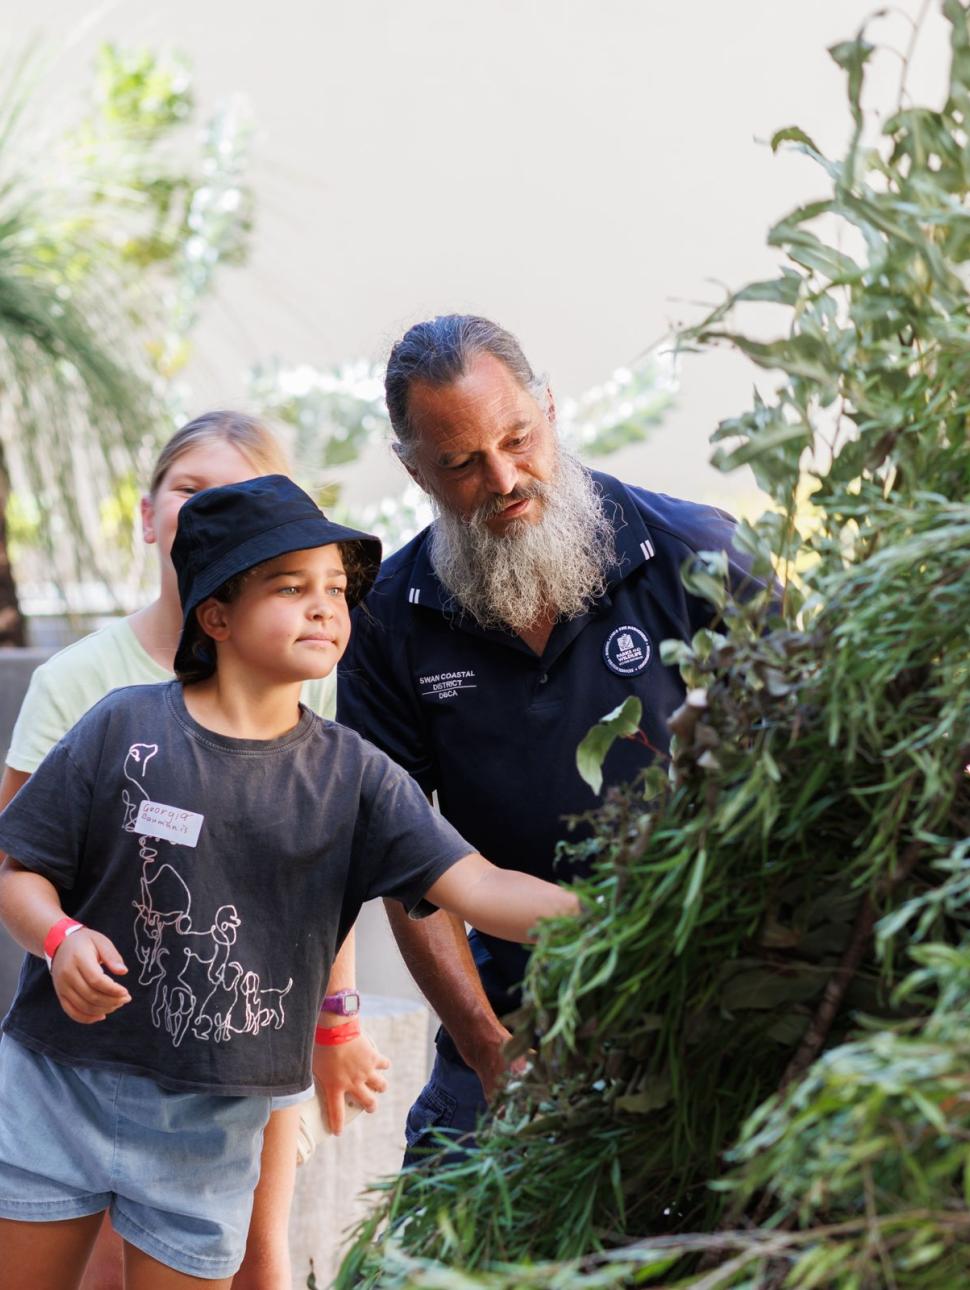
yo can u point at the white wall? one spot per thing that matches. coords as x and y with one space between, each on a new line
582 172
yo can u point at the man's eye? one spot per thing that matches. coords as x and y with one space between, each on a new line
187 489
336 591
289 591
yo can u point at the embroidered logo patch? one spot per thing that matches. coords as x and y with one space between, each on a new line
627 651
446 685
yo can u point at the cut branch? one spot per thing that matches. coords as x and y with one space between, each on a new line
841 978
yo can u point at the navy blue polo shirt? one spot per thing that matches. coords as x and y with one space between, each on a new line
493 727
475 715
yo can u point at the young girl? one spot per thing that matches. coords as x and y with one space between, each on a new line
212 842
214 449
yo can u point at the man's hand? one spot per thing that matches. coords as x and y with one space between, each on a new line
484 1052
351 1069
86 993
438 957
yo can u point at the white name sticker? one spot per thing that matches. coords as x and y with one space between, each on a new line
156 820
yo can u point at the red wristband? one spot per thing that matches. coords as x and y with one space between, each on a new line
329 1036
58 933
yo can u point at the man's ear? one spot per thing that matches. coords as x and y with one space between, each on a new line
412 471
550 406
212 618
418 479
147 508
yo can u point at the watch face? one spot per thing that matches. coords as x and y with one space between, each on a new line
345 1003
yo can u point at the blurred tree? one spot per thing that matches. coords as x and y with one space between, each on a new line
333 415
113 244
109 237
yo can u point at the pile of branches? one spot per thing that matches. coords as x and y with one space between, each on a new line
751 1056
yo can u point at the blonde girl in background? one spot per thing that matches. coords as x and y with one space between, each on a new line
214 449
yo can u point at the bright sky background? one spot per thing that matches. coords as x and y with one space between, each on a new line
581 172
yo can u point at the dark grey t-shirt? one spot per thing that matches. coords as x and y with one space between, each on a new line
226 872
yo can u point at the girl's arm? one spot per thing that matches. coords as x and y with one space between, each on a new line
11 784
501 902
352 1068
29 907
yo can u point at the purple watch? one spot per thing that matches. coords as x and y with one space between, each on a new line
345 1003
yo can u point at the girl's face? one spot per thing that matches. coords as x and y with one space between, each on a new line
290 621
207 465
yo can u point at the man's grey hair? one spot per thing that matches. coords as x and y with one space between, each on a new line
437 353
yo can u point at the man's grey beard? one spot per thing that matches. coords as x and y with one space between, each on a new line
556 567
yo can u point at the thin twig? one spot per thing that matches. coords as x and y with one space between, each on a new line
841 978
875 1236
910 50
834 995
774 1240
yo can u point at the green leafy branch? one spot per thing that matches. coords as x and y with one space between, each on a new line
760 1015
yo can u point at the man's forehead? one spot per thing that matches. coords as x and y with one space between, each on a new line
486 398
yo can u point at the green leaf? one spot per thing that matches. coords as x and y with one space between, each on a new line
792 134
653 1093
779 291
767 988
705 575
778 436
618 724
852 56
812 253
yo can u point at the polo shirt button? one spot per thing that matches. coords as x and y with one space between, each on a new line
543 678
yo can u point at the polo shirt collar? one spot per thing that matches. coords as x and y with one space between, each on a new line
633 542
632 539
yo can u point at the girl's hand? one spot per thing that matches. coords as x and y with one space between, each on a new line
351 1069
85 991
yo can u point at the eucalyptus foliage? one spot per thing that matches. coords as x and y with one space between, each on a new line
750 1054
622 410
331 414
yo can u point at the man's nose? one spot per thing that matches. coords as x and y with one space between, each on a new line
501 474
321 606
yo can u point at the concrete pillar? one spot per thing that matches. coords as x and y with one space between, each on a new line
16 666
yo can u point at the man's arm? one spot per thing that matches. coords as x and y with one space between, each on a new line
504 903
438 956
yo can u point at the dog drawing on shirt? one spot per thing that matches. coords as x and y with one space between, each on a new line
197 985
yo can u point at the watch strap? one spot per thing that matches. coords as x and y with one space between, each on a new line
343 1003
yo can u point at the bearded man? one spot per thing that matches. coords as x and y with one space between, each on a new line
533 605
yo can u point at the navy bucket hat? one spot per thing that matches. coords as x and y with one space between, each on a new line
225 531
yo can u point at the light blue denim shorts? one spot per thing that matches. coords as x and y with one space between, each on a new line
177 1171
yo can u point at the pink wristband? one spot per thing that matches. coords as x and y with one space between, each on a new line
329 1036
61 930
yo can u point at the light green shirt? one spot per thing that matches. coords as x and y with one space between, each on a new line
76 678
